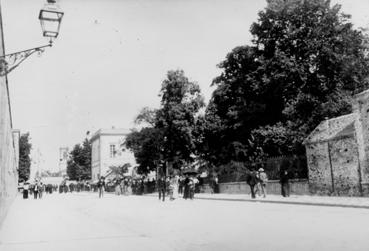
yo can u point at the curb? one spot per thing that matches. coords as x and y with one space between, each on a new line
288 202
300 203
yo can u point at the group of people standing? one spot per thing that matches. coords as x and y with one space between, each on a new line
257 180
176 185
37 189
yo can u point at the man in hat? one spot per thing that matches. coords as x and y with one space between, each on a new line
101 186
252 180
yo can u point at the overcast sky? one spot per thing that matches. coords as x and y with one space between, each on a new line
111 57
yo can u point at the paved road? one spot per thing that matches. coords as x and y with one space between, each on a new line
84 222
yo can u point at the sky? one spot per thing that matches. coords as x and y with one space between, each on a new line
111 57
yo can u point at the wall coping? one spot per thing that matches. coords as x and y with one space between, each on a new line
269 181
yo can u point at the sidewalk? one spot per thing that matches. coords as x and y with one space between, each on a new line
307 200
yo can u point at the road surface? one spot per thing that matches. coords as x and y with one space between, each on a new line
85 222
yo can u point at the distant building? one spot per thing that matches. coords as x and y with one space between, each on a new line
63 158
107 151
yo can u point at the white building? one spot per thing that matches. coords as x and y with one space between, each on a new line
63 158
107 151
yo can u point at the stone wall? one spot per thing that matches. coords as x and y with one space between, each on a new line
298 187
8 151
319 168
334 167
361 107
8 155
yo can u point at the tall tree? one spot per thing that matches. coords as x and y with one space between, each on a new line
24 157
181 100
169 133
306 62
79 163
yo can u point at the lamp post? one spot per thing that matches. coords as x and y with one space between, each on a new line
50 17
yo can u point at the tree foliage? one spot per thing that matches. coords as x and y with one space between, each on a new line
305 63
24 157
79 162
120 170
169 134
181 100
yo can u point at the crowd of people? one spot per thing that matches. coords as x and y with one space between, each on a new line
37 189
173 186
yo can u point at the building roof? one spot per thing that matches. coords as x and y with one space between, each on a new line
110 132
334 128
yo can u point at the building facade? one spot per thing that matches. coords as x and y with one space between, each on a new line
107 151
63 158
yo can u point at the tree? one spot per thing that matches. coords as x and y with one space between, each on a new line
146 146
24 157
305 63
181 101
169 134
79 163
120 170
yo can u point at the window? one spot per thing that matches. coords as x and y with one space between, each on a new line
112 151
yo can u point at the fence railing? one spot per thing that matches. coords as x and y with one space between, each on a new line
296 166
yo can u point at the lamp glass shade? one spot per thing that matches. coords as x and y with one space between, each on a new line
50 18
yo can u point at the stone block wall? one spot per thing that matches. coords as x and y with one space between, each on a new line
361 107
8 150
8 153
334 167
345 163
298 187
320 178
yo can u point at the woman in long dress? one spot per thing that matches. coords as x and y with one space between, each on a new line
174 182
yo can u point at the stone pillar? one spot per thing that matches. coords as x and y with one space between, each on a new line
361 108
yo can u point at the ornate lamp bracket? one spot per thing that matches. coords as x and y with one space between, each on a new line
11 61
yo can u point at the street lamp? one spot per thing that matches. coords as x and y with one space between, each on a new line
50 18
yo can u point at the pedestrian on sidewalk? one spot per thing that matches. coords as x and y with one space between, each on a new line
174 187
101 187
40 190
285 184
252 180
181 184
35 190
186 185
193 183
215 184
117 187
263 179
25 190
161 188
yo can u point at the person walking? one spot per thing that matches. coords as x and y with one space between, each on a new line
174 187
252 180
285 184
161 188
35 190
215 184
25 190
180 184
117 188
263 179
186 185
40 190
101 187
